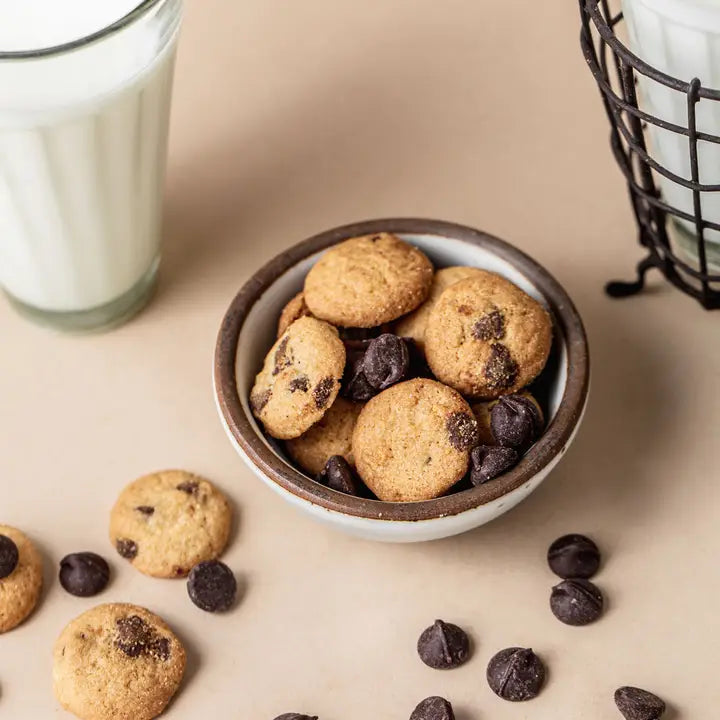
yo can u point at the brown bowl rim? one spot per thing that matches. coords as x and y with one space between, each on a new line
549 446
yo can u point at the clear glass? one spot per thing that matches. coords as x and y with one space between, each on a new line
83 143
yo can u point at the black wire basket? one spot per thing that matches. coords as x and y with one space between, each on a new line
675 239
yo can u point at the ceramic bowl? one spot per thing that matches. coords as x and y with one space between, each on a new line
248 331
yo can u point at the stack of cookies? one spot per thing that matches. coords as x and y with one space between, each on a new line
396 381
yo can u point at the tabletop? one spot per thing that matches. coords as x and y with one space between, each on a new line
290 118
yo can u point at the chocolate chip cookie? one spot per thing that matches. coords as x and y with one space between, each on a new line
300 378
367 281
294 310
412 441
117 662
20 577
167 522
485 337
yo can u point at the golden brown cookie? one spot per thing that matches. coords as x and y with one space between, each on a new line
482 410
167 522
300 378
412 441
332 435
117 662
20 590
294 310
367 281
486 337
413 325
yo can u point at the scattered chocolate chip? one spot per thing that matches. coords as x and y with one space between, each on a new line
161 649
443 646
126 548
576 602
296 716
462 429
386 361
212 586
9 556
282 360
490 326
516 674
322 390
135 637
190 487
145 509
433 708
574 556
490 461
84 574
259 400
637 704
354 383
515 421
501 370
301 383
338 475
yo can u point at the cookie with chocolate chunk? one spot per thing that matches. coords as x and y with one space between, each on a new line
412 441
20 577
300 378
168 522
483 410
294 310
485 337
117 662
367 281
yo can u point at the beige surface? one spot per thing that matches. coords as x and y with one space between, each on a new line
290 118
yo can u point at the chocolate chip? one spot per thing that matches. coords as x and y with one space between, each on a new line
637 704
84 574
282 360
145 509
301 383
443 646
490 461
338 475
322 391
9 556
490 326
386 361
462 429
126 548
574 556
501 370
576 602
212 586
190 487
433 708
161 649
296 716
135 637
516 674
259 400
515 421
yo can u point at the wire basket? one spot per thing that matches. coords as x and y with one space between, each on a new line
678 241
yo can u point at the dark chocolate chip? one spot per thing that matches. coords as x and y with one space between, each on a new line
490 326
296 716
433 708
386 361
515 421
574 556
322 391
300 384
84 574
145 509
354 383
9 556
576 602
282 360
212 586
501 370
462 429
490 461
443 646
135 637
259 400
126 548
161 649
190 487
516 674
637 704
338 475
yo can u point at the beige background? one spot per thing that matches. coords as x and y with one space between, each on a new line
292 117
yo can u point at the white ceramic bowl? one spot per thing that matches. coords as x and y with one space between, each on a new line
248 331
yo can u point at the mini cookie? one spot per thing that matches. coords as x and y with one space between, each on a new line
332 435
367 281
486 337
294 310
20 587
414 325
117 662
482 410
411 441
168 522
300 378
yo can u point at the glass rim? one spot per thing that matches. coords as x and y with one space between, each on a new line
138 11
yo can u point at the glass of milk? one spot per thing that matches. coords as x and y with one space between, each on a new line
84 105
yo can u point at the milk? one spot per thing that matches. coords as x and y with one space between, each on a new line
83 136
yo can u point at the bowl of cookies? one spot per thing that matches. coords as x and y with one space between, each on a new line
403 379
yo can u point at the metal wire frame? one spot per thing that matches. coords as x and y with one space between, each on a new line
628 122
